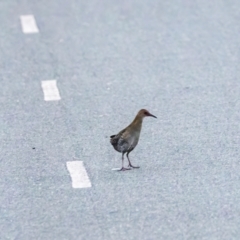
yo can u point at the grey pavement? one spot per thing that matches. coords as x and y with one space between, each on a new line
178 59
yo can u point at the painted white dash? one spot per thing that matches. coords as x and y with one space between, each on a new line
78 174
116 169
50 90
28 24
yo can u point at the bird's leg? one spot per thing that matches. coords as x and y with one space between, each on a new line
123 168
130 165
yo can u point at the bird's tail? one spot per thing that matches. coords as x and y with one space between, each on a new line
113 140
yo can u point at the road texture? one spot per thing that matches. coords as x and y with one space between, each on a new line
178 59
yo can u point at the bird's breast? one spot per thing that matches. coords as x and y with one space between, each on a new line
133 140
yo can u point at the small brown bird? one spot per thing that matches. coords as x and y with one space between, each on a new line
127 139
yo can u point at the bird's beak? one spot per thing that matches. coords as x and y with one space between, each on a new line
150 115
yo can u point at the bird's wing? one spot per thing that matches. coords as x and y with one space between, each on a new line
129 140
119 134
119 141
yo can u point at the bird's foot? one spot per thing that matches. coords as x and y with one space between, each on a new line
130 165
124 169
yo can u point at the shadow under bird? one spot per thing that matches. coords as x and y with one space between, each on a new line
127 139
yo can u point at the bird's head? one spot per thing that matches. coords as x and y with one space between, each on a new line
145 113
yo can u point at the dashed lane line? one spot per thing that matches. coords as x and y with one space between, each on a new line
29 24
50 90
78 174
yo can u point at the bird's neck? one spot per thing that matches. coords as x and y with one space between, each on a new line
136 123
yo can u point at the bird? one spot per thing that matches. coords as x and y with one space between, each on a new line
127 139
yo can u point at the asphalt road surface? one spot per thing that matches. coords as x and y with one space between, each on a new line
108 59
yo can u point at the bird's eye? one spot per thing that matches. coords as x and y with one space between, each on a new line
146 113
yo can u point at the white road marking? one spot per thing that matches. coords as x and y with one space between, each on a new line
50 90
29 24
78 174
